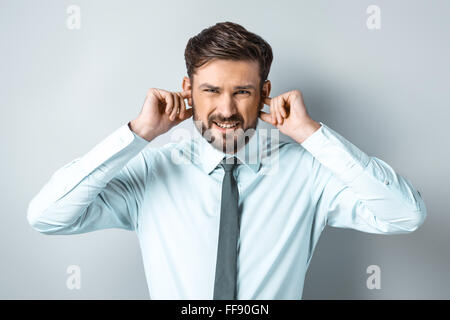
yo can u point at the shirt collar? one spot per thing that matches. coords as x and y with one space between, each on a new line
209 157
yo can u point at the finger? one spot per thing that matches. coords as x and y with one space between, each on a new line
270 112
283 109
186 94
169 102
176 106
278 112
182 108
174 110
267 100
187 114
273 111
265 117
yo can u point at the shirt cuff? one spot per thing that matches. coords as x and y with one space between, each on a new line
339 155
138 137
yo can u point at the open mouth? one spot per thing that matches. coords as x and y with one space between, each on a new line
226 126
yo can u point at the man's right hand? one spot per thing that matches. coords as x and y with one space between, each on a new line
161 111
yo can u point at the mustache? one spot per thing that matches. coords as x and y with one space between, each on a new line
234 118
217 118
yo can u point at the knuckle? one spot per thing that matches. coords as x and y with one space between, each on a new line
151 92
297 93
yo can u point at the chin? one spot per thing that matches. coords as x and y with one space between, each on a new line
230 145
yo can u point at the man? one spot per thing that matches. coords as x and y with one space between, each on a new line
229 213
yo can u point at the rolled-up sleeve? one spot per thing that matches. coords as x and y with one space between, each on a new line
101 189
357 191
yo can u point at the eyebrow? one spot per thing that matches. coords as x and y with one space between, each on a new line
210 86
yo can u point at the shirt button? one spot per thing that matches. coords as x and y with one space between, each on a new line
386 182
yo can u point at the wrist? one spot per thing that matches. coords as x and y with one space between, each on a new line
306 130
142 130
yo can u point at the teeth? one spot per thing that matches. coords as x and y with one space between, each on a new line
225 125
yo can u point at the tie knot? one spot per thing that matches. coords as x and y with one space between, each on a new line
229 164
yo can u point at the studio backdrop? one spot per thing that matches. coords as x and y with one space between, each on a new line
72 72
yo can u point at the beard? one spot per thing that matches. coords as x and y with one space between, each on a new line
229 142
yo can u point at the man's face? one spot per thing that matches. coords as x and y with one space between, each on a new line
226 101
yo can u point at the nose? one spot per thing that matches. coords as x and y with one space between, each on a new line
226 106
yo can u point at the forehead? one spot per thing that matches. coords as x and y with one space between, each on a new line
220 72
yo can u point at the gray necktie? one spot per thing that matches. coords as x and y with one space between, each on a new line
226 266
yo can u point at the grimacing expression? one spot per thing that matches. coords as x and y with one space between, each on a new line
226 100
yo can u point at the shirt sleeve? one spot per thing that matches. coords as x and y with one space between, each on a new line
357 191
102 189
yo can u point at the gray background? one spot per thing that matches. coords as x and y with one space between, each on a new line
62 91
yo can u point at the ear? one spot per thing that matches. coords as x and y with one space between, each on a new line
267 86
186 85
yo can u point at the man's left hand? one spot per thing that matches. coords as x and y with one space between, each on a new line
288 113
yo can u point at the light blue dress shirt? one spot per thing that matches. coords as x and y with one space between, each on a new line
170 195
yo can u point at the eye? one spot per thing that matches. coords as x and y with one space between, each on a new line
243 91
210 90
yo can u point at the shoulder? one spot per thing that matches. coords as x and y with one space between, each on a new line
287 150
167 155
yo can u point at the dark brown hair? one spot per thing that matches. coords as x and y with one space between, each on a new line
228 40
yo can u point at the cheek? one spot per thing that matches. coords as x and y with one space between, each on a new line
201 106
251 110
